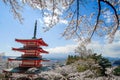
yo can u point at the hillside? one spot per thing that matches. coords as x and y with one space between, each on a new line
83 69
77 71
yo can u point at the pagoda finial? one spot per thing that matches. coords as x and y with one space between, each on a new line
35 30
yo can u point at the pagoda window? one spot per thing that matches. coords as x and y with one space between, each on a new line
30 51
31 43
28 63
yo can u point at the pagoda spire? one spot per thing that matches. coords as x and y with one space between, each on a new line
35 30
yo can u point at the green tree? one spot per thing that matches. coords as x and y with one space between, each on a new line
103 63
72 59
96 57
116 71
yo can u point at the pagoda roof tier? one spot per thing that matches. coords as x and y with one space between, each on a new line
39 41
26 70
27 59
30 49
16 70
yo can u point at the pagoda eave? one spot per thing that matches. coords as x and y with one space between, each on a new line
27 59
22 70
39 41
22 59
24 50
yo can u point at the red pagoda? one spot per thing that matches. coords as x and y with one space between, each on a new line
31 57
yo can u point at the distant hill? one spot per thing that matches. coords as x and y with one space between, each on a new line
6 57
112 58
115 61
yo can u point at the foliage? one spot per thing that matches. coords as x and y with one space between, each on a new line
23 78
40 78
103 63
1 76
84 18
116 71
72 59
82 68
97 70
96 57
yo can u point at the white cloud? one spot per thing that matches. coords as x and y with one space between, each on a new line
109 50
106 49
50 20
112 50
54 19
95 46
57 11
62 49
41 22
109 16
63 21
117 36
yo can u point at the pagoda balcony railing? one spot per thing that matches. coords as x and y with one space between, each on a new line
30 55
31 47
30 65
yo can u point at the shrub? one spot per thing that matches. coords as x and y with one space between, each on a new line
103 63
1 76
116 71
97 70
23 78
71 59
40 78
81 68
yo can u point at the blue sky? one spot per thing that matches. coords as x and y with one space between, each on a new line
58 46
11 29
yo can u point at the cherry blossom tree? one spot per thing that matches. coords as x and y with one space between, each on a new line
84 18
83 51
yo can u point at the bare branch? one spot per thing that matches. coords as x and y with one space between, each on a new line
70 22
15 7
117 18
77 15
97 21
80 25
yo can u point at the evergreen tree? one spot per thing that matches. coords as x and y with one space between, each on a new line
103 63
